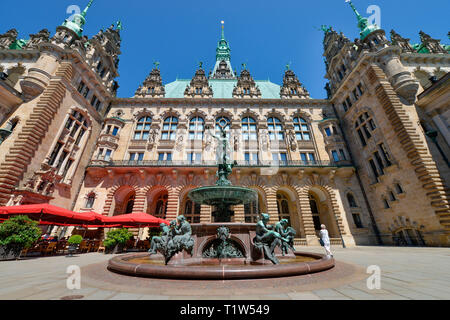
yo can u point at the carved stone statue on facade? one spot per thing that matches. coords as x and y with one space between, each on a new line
267 239
292 140
264 140
14 200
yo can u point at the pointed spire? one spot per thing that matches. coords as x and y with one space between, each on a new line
223 29
119 25
78 21
363 23
87 8
222 68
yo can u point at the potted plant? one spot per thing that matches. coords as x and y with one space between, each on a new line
16 234
116 239
74 242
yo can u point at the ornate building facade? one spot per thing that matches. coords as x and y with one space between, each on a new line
370 162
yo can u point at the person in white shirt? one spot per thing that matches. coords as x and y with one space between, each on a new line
325 240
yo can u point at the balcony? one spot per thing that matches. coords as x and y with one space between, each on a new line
212 163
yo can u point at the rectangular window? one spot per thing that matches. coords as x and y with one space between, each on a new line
357 220
165 156
194 157
361 137
85 92
134 156
379 162
108 154
374 168
349 102
81 86
98 105
303 157
355 94
115 130
342 153
61 159
108 129
328 132
93 100
385 154
368 135
100 153
74 129
311 157
80 135
67 167
335 155
55 153
360 89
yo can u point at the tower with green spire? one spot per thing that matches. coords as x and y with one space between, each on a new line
78 21
363 23
222 68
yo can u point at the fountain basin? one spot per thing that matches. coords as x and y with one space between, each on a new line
222 195
141 265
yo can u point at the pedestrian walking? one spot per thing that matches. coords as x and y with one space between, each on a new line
325 240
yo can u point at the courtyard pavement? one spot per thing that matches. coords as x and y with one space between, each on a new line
406 273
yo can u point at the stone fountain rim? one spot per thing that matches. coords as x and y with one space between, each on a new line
121 265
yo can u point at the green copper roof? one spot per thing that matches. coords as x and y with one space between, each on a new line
223 49
78 21
18 44
223 88
363 23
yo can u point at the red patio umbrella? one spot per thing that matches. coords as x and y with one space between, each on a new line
137 219
50 214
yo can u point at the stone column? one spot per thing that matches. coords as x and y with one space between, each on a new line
307 218
139 201
172 203
205 213
239 213
272 208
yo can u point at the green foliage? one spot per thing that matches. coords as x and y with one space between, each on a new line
154 232
75 239
117 236
17 233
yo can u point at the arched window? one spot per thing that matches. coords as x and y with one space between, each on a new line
161 206
251 212
275 128
301 128
351 201
222 123
142 130
196 128
249 131
364 125
90 201
283 207
130 204
315 212
169 130
192 212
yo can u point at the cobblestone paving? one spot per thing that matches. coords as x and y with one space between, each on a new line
406 273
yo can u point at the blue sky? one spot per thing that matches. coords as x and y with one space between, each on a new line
264 34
